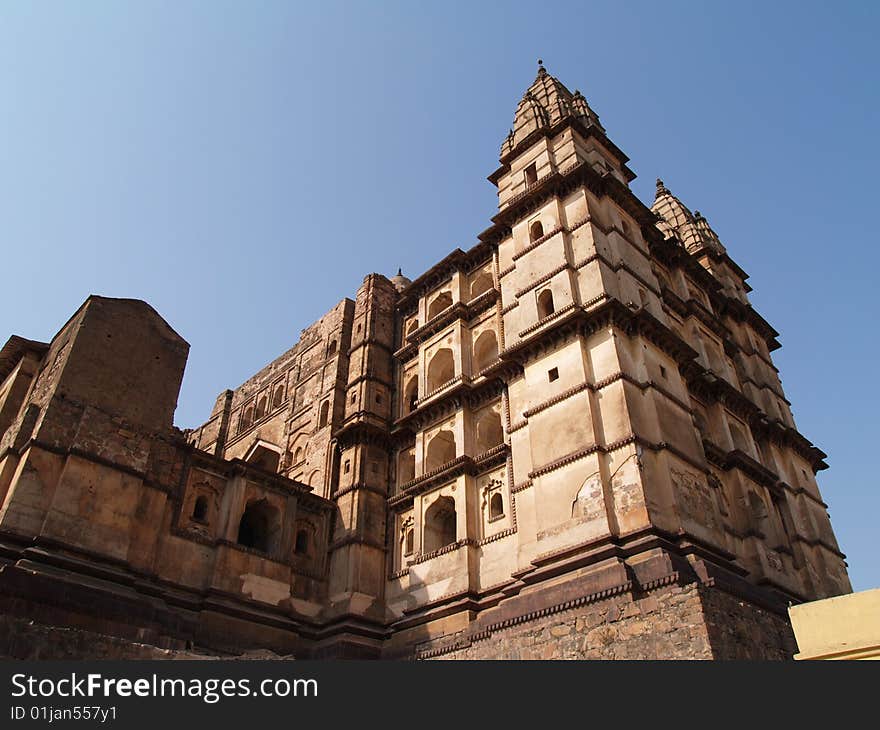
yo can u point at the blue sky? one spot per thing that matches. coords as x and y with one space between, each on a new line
242 166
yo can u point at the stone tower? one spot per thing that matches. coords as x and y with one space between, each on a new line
648 452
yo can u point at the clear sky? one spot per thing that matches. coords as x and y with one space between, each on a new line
242 165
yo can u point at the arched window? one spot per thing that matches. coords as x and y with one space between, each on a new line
258 527
489 432
412 326
279 396
496 506
440 524
485 350
759 513
740 440
408 541
247 417
200 509
411 394
536 231
441 450
441 302
441 369
301 546
406 466
261 408
331 349
325 414
298 455
700 423
481 284
545 304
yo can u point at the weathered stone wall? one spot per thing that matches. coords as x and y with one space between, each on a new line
27 640
667 624
24 639
676 622
741 630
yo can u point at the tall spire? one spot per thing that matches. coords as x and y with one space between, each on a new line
674 218
545 103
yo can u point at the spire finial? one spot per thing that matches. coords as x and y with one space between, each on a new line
400 271
661 188
541 69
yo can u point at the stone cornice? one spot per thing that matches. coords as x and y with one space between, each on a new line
441 272
449 471
460 310
537 242
452 396
589 318
292 565
359 431
356 540
580 454
358 487
370 377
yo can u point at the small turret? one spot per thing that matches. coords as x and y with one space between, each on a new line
400 281
692 229
545 103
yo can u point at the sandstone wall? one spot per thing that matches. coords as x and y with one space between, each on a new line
676 622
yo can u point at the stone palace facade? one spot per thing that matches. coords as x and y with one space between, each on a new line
568 441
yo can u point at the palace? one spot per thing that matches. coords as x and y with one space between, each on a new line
568 441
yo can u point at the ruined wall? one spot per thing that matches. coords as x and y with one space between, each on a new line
282 418
94 474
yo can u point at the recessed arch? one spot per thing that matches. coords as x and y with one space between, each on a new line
546 307
481 284
302 543
441 450
440 524
489 431
740 440
406 466
304 539
261 408
259 526
440 303
485 350
496 506
278 398
441 369
411 394
325 414
200 509
536 230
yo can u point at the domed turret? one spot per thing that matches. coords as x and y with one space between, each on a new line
400 281
546 102
674 217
